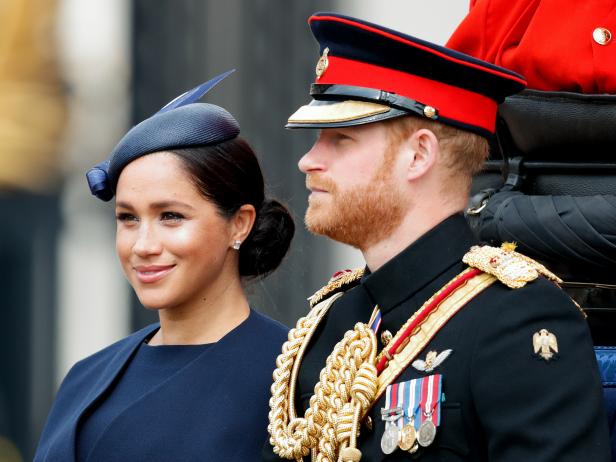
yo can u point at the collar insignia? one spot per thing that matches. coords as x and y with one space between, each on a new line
545 344
322 64
341 280
433 360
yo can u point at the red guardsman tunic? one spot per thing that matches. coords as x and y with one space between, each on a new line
567 45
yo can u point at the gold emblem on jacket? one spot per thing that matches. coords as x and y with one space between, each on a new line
545 344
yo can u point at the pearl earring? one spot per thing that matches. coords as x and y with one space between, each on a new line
236 244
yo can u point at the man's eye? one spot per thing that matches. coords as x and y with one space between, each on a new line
339 138
125 217
171 216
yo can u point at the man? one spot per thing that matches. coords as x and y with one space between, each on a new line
473 353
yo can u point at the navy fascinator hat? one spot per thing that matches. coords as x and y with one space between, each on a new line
181 123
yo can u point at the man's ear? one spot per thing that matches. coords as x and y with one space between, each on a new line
424 153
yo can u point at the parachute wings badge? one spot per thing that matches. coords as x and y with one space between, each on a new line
433 360
545 344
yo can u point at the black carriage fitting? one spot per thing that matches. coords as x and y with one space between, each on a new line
557 195
575 236
561 126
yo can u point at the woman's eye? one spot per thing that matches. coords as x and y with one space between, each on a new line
125 217
171 216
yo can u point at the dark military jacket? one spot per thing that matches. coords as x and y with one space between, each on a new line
503 402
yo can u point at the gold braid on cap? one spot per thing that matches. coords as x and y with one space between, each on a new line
346 388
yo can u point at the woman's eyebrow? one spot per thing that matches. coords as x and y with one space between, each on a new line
157 205
123 205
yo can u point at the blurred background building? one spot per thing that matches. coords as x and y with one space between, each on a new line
74 76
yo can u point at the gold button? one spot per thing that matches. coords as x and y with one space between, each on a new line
386 337
368 422
601 35
429 112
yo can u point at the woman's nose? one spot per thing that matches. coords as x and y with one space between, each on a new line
147 242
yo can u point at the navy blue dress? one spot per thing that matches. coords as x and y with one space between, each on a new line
203 403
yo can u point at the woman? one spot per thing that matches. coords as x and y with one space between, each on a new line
192 221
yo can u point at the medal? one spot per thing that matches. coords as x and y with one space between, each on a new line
427 433
408 434
411 414
390 438
392 414
430 409
408 437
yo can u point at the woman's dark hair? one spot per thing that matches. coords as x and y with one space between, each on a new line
229 175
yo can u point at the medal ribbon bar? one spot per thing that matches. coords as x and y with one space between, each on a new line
431 399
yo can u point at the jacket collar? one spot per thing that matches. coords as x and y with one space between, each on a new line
420 263
125 351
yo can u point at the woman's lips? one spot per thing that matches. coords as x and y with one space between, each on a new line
152 273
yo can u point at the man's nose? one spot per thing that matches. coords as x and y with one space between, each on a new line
313 160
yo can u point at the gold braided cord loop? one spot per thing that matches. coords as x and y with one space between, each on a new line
285 436
346 388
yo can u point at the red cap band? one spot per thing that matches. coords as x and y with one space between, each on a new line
451 102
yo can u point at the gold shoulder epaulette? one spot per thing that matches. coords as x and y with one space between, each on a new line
510 267
342 280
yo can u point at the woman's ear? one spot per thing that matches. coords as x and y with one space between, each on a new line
242 222
424 153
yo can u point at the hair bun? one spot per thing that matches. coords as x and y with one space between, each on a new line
269 240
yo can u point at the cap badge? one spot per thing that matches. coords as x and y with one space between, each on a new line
322 64
433 360
545 344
